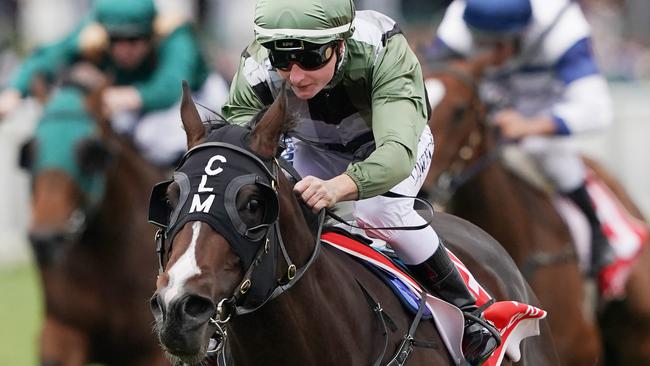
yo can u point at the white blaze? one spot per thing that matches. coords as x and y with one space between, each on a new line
185 268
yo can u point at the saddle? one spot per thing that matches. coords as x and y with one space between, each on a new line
515 321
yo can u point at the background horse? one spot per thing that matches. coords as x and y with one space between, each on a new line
90 237
324 318
467 172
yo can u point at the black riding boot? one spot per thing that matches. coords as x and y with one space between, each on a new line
602 254
439 275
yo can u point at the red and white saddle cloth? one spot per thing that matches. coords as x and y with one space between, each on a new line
627 235
515 321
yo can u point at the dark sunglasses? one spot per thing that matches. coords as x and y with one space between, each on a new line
308 60
129 39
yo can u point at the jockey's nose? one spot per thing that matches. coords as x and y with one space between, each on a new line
296 74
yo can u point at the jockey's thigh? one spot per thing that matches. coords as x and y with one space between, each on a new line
159 135
558 159
413 246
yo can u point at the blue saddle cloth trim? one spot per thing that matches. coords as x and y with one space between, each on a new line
408 299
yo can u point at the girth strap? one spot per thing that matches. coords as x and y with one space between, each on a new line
408 343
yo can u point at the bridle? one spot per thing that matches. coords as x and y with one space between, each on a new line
231 307
467 163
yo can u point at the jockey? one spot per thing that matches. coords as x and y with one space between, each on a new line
146 55
541 78
357 91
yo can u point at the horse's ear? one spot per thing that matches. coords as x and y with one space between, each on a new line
271 126
194 128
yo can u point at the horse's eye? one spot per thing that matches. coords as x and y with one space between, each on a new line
458 113
253 205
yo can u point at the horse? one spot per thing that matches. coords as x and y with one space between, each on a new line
89 234
244 263
469 176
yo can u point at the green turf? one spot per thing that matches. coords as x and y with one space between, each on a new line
20 315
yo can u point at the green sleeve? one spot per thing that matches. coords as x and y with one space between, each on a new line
398 118
179 58
48 60
242 104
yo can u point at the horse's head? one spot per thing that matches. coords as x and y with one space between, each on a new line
67 160
458 123
219 220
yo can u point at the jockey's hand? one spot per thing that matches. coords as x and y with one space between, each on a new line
9 100
515 126
319 194
120 99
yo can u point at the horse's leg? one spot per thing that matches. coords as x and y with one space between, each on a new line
62 345
627 324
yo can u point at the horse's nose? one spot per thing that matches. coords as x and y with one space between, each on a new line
47 245
192 310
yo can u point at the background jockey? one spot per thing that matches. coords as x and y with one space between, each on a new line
357 91
540 77
146 55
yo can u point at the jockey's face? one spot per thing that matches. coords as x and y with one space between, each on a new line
497 51
129 53
306 84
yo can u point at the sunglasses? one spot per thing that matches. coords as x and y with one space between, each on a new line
129 39
309 60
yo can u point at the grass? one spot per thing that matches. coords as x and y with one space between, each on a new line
20 315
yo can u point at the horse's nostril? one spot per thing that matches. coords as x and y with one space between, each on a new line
198 307
156 307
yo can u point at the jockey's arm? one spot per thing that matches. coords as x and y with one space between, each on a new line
586 104
399 114
47 60
179 58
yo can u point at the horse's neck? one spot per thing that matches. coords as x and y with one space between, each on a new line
323 318
298 324
124 208
500 204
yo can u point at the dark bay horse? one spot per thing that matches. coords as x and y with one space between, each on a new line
218 281
90 237
467 173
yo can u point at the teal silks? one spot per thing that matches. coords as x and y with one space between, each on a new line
64 125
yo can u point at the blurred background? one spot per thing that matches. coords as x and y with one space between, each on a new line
621 34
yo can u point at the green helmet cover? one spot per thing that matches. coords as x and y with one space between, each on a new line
126 18
314 21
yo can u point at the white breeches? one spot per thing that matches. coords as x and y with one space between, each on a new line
558 159
159 135
412 246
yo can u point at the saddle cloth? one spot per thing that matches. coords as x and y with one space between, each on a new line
626 234
515 321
